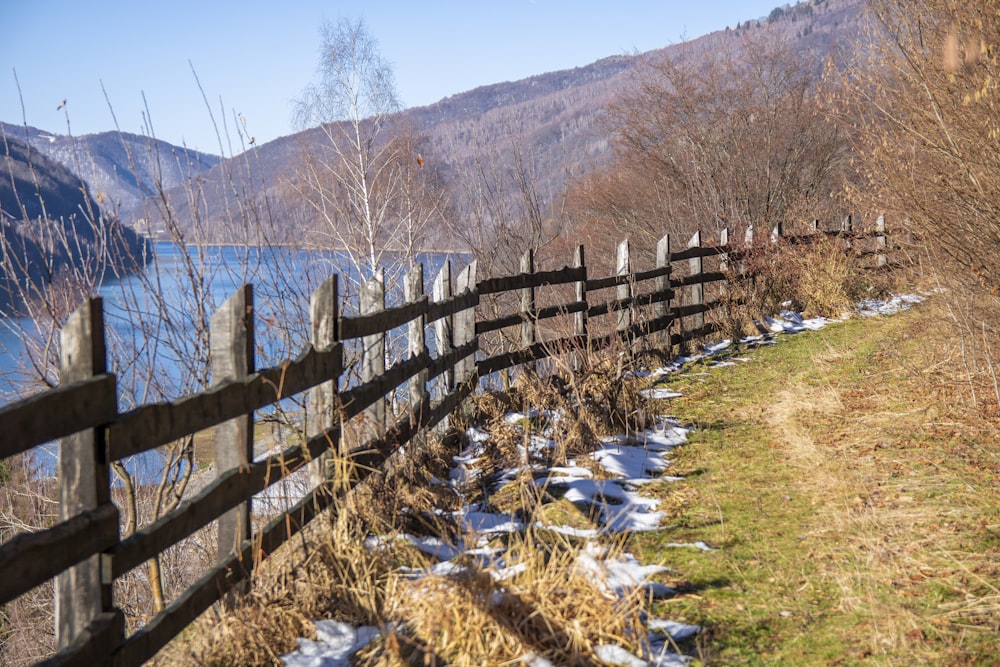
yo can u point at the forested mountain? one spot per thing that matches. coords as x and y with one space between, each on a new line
550 125
120 168
52 229
547 127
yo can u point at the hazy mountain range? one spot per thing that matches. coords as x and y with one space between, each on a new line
553 120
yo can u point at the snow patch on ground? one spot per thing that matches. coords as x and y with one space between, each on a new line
633 459
891 306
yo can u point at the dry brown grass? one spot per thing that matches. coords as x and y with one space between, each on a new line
548 608
821 276
890 472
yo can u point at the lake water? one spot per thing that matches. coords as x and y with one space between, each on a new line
155 321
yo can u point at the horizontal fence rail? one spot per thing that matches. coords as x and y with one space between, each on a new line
84 552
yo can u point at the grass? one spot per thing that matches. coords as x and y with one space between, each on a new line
848 488
851 496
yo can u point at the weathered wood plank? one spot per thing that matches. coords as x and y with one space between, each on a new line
210 588
881 244
650 274
580 316
359 398
594 284
372 297
156 424
548 312
695 275
94 646
57 412
382 321
692 252
416 339
661 309
623 304
356 399
441 292
625 279
225 492
625 290
529 354
84 476
528 332
694 309
465 323
29 559
527 279
321 414
231 335
699 279
446 307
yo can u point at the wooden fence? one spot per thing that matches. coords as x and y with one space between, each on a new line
84 553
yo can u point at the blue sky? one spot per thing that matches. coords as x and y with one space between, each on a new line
258 56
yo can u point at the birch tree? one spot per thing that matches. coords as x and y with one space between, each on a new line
353 181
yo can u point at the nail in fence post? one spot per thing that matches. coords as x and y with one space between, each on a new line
231 334
84 475
324 310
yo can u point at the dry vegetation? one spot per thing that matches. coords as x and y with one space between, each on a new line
848 482
550 607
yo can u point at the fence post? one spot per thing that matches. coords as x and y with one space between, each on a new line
442 327
465 324
661 309
881 246
580 319
441 291
372 295
323 313
747 246
416 342
231 333
697 293
528 333
623 267
815 226
724 261
724 256
84 476
847 224
777 232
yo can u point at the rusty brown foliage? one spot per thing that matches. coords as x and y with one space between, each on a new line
734 139
927 108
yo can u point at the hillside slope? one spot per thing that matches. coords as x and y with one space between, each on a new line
52 229
553 122
120 168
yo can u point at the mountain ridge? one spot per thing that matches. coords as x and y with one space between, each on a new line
553 119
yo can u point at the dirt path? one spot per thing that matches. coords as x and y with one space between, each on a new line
852 497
